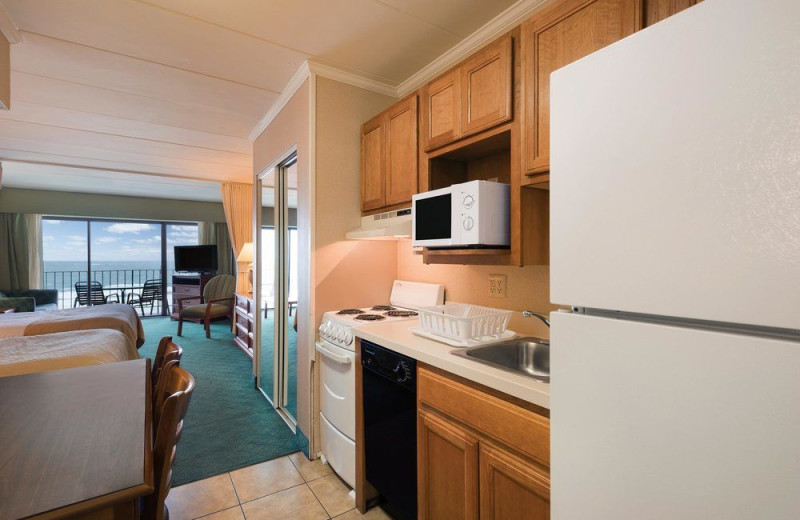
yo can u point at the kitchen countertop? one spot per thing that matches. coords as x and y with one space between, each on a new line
397 336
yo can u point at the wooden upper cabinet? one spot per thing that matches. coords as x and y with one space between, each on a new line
486 88
373 159
657 10
442 110
389 157
473 97
447 470
565 32
401 151
510 488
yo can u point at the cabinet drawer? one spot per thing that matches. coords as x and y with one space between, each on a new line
186 290
185 302
512 425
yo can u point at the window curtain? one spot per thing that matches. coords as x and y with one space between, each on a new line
216 233
237 200
14 252
35 252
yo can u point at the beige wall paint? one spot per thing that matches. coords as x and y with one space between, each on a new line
67 204
291 127
528 287
348 273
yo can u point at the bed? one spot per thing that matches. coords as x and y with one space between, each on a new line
118 317
29 354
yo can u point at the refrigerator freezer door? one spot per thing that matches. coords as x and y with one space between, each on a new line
657 422
675 158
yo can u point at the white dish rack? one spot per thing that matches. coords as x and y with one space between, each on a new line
464 323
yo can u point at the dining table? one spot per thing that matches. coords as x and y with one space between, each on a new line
76 441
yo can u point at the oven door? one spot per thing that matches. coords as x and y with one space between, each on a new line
432 215
338 381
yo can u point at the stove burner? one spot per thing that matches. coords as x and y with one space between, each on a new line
400 314
370 317
382 308
347 312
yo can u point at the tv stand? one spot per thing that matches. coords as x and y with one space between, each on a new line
188 285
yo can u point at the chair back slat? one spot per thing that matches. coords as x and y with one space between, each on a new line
151 291
86 293
179 387
167 350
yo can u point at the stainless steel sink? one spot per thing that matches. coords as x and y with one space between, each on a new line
525 356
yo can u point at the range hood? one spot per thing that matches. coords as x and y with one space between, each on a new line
391 225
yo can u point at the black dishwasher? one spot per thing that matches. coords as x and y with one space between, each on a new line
390 427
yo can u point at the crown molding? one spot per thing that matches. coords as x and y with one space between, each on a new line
297 80
352 78
8 27
496 27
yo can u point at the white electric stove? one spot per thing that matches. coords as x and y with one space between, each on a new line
336 346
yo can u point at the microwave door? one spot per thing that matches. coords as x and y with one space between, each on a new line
433 219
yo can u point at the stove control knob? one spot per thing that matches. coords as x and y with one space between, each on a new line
348 338
468 202
402 371
468 223
340 335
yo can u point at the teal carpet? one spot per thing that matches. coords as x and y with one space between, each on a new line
229 424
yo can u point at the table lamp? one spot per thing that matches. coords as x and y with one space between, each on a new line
246 256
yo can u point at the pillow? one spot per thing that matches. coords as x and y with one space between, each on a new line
2 294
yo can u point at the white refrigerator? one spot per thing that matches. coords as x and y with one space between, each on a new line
675 238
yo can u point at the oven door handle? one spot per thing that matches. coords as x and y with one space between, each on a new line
342 360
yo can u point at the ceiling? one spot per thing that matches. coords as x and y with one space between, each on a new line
158 96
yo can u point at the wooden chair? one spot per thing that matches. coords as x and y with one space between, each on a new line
178 391
151 293
91 294
217 302
167 351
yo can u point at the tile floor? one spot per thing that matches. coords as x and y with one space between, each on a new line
290 488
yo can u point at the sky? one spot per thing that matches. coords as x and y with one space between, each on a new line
65 240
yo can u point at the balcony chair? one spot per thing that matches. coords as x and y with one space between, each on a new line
91 294
151 293
216 303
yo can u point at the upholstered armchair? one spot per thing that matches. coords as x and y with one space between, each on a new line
216 303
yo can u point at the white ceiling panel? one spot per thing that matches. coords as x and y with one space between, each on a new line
161 36
170 89
52 58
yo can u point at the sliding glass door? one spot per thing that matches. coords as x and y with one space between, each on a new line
96 261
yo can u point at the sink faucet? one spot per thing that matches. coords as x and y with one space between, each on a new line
531 314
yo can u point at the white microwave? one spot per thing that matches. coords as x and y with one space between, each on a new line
471 214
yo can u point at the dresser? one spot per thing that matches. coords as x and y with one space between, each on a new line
244 312
188 285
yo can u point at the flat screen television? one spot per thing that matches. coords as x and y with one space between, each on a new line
196 259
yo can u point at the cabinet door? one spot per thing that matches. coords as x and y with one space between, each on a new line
567 32
657 10
441 102
373 161
401 152
486 88
447 470
511 488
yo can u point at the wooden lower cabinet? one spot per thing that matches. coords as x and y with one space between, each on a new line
512 488
448 470
480 454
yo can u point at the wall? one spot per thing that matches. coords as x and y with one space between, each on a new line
348 273
5 73
528 288
67 204
292 127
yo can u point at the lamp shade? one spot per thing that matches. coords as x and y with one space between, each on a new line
246 254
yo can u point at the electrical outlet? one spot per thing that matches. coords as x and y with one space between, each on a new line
497 285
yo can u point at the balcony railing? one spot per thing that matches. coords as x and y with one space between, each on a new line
122 282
